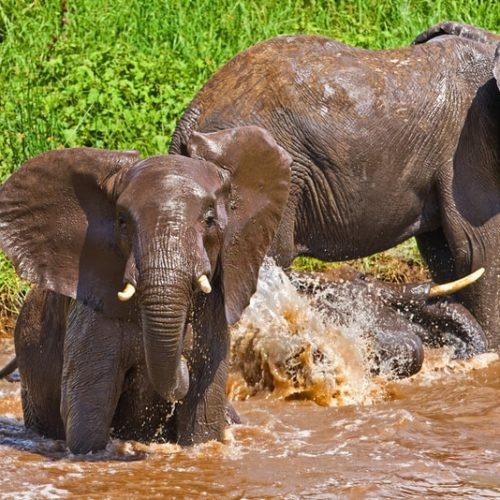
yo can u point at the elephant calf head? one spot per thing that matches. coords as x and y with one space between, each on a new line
87 223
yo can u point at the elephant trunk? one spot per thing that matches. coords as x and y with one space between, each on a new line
165 305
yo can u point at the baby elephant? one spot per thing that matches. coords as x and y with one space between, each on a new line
186 235
397 318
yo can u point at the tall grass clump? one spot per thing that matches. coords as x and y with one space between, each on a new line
118 74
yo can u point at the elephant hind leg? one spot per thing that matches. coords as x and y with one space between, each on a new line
231 415
8 369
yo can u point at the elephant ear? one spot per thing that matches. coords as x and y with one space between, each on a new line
259 182
57 224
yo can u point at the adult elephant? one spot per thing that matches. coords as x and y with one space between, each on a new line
188 234
386 145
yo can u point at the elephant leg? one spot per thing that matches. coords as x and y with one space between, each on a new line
462 251
437 255
232 416
482 298
469 190
7 371
201 415
39 337
92 378
398 353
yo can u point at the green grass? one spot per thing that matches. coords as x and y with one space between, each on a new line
119 74
402 264
12 290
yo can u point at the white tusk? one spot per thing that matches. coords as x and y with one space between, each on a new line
127 293
454 286
204 284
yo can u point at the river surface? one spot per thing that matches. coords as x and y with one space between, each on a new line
315 425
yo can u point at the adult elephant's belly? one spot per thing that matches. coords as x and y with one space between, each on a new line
348 218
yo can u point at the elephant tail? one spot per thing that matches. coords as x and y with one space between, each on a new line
10 367
461 30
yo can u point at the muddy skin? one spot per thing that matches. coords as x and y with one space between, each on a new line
386 145
174 234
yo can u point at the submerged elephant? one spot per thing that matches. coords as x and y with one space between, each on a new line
188 234
386 145
396 319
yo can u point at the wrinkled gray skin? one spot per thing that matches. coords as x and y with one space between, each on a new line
80 223
397 319
386 145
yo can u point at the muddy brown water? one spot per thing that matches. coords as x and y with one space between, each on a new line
436 434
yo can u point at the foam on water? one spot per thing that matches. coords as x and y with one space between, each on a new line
28 491
439 364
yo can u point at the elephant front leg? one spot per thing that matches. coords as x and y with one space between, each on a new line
483 300
142 414
201 415
92 379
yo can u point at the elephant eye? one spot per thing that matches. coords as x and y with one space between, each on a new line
122 221
209 217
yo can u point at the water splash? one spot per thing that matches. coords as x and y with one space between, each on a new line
320 346
285 345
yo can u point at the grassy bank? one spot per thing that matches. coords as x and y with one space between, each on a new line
118 74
